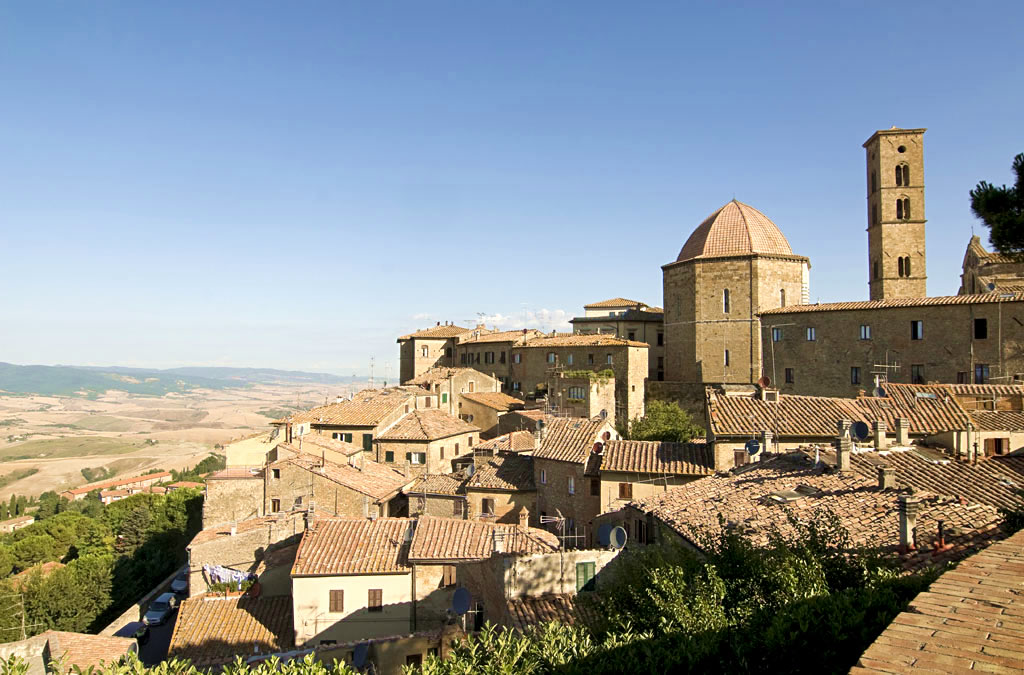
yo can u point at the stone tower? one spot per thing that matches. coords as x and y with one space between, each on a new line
734 265
896 254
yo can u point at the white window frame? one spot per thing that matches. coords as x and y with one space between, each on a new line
812 334
865 331
572 485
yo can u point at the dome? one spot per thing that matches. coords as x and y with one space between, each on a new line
735 229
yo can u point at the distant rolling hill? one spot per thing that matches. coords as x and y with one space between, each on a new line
74 380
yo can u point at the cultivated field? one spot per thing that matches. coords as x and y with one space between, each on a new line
128 433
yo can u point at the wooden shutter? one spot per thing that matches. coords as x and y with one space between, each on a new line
448 575
375 600
625 490
338 601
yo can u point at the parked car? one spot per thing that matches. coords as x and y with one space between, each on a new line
180 583
160 609
135 629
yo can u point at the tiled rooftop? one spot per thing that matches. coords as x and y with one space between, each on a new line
441 374
689 459
224 529
870 515
118 482
970 619
426 425
211 630
565 608
447 484
977 299
581 340
615 303
735 229
504 472
373 479
494 399
82 650
313 442
339 546
365 409
449 539
569 439
516 441
236 473
502 336
437 332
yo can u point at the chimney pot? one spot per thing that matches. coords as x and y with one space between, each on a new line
881 442
524 517
908 508
844 450
903 432
886 478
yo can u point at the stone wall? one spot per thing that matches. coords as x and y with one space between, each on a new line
232 500
296 487
643 485
439 453
507 505
553 495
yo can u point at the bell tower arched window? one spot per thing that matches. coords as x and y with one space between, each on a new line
899 266
782 297
903 208
725 301
906 266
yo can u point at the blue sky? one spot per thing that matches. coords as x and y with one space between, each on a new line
293 185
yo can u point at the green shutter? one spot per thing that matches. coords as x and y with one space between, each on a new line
585 576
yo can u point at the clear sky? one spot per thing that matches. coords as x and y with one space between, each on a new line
294 185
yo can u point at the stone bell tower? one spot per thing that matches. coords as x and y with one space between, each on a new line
895 175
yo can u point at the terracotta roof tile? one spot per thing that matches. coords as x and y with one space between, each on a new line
514 336
615 303
515 441
443 539
869 514
426 425
313 442
212 630
372 479
998 420
494 399
581 340
341 546
564 608
570 439
447 484
236 473
367 408
978 299
504 472
690 459
224 529
735 229
975 609
441 374
116 483
437 332
82 650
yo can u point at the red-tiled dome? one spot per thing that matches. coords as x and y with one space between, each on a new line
735 229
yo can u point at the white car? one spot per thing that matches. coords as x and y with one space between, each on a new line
160 609
180 583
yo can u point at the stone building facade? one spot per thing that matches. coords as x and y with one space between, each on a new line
361 488
836 349
736 264
629 319
491 351
233 495
895 187
425 441
986 272
420 351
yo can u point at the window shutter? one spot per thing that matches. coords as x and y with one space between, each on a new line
375 599
337 601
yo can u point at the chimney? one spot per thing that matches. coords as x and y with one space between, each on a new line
903 432
767 438
908 508
886 478
844 447
881 442
234 529
524 517
499 541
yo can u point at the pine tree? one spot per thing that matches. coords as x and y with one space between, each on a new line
1002 210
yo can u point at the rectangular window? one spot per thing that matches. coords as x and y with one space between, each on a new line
462 358
917 373
298 502
375 600
489 357
501 357
337 601
981 373
568 359
442 452
516 386
625 490
661 363
590 359
457 508
576 393
725 301
389 456
551 357
476 358
916 330
631 335
487 506
739 457
811 334
726 357
608 359
517 358
472 386
661 339
981 329
543 477
448 575
275 473
444 397
572 485
776 334
595 487
426 351
641 526
962 377
854 375
414 660
789 376
368 442
275 505
585 572
865 332
416 457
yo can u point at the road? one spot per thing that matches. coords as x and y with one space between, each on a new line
155 650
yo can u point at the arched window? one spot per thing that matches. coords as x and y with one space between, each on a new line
899 176
899 209
782 297
725 301
874 182
906 208
899 265
906 174
906 266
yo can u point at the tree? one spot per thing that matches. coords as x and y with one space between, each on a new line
664 422
1002 210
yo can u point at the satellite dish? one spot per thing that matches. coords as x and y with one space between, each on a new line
879 392
991 286
460 601
604 534
618 537
470 470
597 448
859 431
764 382
359 654
752 446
